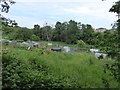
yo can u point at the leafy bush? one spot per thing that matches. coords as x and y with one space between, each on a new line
34 38
81 44
24 69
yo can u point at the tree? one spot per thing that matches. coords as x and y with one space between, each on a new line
48 32
58 30
23 34
72 30
36 30
64 31
116 9
5 8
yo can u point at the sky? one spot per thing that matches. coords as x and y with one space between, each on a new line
93 12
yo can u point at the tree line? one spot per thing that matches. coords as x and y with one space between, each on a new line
69 32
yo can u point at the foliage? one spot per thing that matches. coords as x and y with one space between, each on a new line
35 70
116 7
116 49
34 38
81 44
68 32
22 34
4 7
27 70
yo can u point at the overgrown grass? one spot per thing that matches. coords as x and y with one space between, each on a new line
55 70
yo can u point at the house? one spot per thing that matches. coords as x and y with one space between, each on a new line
101 30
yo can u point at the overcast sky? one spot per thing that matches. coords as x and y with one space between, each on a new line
94 12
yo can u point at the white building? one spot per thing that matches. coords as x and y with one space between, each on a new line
101 30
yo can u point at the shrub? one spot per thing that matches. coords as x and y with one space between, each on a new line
24 69
81 44
35 38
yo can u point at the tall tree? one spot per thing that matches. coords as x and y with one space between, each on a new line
72 30
23 34
116 9
58 30
36 30
4 7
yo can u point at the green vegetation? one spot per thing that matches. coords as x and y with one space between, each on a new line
81 44
42 69
67 32
34 38
24 69
116 48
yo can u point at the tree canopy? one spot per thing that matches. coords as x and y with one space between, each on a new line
4 7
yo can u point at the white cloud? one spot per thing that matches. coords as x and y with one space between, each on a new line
29 12
100 13
25 21
78 10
